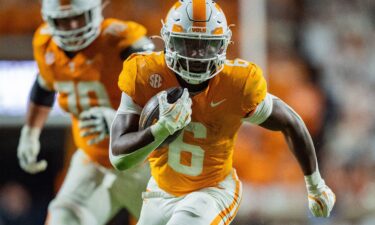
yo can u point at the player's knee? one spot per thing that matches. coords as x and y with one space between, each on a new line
69 213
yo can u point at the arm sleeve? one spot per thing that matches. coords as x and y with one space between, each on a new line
40 95
262 112
127 105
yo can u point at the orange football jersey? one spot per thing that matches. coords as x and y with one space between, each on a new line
202 156
89 78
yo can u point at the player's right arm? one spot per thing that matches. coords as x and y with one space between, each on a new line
274 114
40 103
129 146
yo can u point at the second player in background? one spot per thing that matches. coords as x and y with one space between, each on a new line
79 56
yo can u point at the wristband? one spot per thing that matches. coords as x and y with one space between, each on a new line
314 180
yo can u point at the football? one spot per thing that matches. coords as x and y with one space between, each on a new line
150 112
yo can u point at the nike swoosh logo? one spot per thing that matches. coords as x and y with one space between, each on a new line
215 104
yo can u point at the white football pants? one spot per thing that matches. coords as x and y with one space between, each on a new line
208 206
92 194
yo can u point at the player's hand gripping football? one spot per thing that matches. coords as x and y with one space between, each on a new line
96 122
174 116
28 150
321 199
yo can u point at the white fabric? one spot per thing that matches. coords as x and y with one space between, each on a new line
143 43
127 105
175 116
320 196
199 208
28 150
95 122
262 112
95 194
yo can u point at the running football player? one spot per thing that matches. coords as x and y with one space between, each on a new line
193 181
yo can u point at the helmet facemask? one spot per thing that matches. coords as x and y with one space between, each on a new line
195 57
80 36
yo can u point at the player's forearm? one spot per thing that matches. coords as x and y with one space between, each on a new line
41 101
129 160
125 137
37 115
284 119
300 143
129 146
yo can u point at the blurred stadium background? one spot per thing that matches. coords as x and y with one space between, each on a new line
319 56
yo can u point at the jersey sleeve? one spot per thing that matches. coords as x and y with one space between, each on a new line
255 89
40 42
129 81
123 33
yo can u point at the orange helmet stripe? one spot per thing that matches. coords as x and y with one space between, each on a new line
199 13
177 5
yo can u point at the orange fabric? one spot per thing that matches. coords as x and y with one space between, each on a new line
132 220
88 79
199 13
65 2
233 206
237 89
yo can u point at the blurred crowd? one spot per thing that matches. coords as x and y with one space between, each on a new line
321 61
338 39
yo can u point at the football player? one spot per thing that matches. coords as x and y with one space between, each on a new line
79 55
193 181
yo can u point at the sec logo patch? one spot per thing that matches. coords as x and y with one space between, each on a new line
155 80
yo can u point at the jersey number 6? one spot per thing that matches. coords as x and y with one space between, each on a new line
178 149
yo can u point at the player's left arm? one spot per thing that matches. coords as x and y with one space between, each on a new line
276 115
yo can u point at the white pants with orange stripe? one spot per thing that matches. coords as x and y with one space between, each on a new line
208 206
92 194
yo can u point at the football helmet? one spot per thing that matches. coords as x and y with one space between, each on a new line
73 39
196 36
